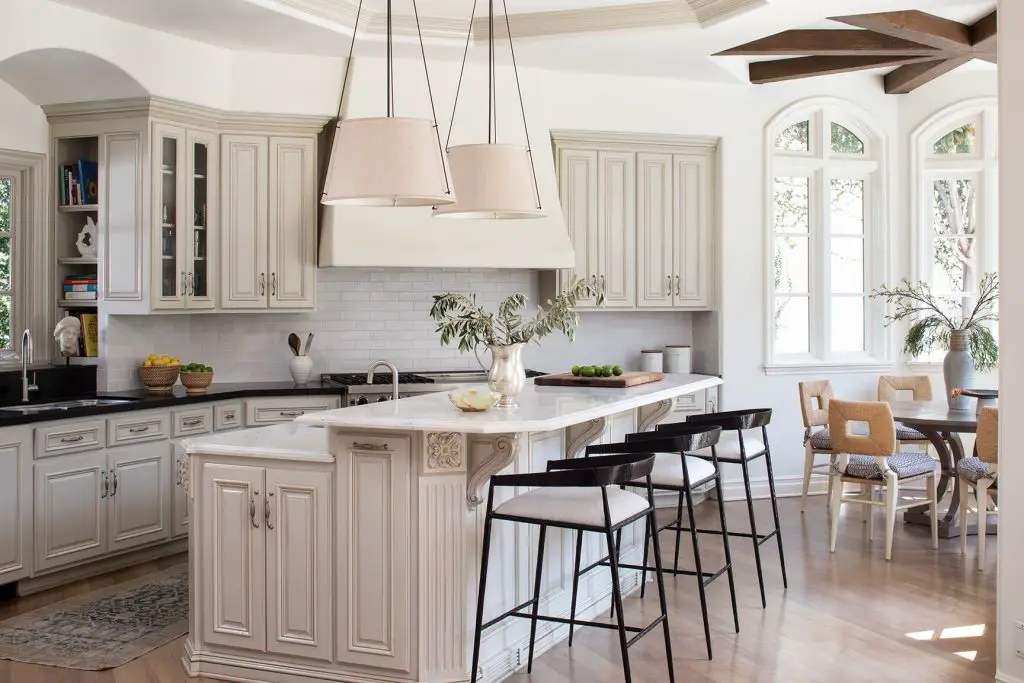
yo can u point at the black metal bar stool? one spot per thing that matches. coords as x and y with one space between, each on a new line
735 448
581 495
680 473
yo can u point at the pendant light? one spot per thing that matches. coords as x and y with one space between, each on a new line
492 180
388 160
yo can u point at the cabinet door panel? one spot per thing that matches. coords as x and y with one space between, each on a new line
292 223
139 499
170 227
617 227
577 175
70 509
243 225
654 230
233 557
15 505
300 587
122 238
693 239
201 251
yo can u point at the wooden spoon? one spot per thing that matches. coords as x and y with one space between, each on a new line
294 343
309 342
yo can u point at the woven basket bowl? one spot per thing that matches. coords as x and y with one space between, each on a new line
159 379
196 382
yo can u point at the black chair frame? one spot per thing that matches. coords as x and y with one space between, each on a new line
595 472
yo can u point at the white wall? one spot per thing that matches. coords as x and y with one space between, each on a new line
23 125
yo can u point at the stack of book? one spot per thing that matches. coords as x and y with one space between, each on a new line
80 287
78 184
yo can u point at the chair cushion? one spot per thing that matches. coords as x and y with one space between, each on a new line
668 470
574 505
905 433
905 464
974 469
821 440
729 445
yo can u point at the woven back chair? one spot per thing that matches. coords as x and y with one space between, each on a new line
980 473
890 386
814 401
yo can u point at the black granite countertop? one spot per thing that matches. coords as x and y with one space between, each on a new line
143 400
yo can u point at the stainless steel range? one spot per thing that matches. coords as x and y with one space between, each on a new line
360 392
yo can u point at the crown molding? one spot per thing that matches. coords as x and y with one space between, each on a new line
610 18
710 12
642 142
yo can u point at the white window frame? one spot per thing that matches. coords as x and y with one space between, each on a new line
926 167
819 164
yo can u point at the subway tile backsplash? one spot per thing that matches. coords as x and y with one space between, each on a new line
368 313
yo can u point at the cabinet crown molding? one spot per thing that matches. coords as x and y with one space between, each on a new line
184 113
636 142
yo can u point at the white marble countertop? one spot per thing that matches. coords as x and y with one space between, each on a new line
541 409
289 441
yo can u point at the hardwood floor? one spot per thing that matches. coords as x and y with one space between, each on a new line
849 617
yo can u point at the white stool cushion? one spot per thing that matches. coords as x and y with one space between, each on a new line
729 444
668 470
574 505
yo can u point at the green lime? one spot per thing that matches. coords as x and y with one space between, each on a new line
617 370
587 371
576 370
606 371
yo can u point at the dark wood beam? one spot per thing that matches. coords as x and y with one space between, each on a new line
915 26
804 67
984 34
912 76
841 42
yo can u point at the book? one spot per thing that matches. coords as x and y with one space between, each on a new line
80 288
80 296
88 174
90 334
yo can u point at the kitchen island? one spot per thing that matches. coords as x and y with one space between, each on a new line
345 546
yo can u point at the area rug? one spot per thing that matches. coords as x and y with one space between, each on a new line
104 628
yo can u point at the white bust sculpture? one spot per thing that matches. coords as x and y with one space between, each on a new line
67 333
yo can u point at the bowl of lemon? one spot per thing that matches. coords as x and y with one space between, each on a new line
159 373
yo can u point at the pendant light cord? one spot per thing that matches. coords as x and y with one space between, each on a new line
348 62
430 94
462 72
522 106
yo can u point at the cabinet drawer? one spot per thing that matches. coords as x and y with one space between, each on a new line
227 416
694 402
189 422
277 410
69 437
136 427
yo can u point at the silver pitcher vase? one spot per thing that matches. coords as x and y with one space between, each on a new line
958 370
507 374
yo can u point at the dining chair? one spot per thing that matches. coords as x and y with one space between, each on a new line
979 473
873 460
814 400
920 388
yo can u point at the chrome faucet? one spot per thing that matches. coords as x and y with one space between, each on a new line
26 358
394 376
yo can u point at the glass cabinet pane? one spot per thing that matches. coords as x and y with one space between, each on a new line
169 217
200 261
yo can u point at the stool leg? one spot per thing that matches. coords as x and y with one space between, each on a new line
697 565
679 533
575 583
652 522
618 545
648 525
775 509
536 594
613 562
753 531
477 632
728 555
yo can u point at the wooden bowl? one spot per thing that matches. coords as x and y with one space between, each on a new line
196 382
159 379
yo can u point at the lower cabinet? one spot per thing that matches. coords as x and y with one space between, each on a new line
179 498
266 563
139 497
15 504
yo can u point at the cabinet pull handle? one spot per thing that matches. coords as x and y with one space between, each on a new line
229 415
192 422
252 510
191 284
138 430
106 484
292 413
370 446
266 511
669 278
177 470
263 284
273 284
184 284
677 286
113 487
72 439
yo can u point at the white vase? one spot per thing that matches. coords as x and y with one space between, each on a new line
301 368
958 370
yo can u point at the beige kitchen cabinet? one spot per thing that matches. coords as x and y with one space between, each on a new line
268 247
656 263
15 504
577 179
138 499
186 422
70 508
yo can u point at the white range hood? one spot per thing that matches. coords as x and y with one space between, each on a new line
413 238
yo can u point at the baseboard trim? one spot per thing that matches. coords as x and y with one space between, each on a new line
1007 678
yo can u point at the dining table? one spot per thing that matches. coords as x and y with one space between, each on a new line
942 427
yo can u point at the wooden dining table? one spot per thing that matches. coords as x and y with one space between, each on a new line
942 428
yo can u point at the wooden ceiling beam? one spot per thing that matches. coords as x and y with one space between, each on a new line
915 26
777 70
841 42
912 76
984 34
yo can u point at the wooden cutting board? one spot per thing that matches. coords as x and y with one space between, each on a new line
626 379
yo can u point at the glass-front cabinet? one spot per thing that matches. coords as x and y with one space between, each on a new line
184 172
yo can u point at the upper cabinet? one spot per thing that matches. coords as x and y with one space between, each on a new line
640 210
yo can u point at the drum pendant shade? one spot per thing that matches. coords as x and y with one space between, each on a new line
491 181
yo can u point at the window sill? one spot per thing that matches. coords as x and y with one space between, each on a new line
831 368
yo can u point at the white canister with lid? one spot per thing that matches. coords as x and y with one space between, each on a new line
652 360
678 359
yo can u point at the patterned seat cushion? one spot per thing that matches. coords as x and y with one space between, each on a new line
906 464
974 469
821 440
905 433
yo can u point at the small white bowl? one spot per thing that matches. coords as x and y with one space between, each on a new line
474 400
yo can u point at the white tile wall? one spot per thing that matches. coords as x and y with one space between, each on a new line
368 313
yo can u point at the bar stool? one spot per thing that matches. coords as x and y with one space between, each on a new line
735 448
680 473
579 495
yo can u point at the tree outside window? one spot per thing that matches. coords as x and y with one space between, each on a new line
6 201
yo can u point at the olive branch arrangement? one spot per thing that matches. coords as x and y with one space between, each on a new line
460 318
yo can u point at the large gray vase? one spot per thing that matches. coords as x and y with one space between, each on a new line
958 370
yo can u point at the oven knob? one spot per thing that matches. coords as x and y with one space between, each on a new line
361 401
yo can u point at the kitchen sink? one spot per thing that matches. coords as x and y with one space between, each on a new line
65 405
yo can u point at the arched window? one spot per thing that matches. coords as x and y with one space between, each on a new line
955 204
826 215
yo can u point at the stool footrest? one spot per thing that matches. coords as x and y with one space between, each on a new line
707 577
761 538
640 631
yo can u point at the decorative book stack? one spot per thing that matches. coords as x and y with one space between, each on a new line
80 287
